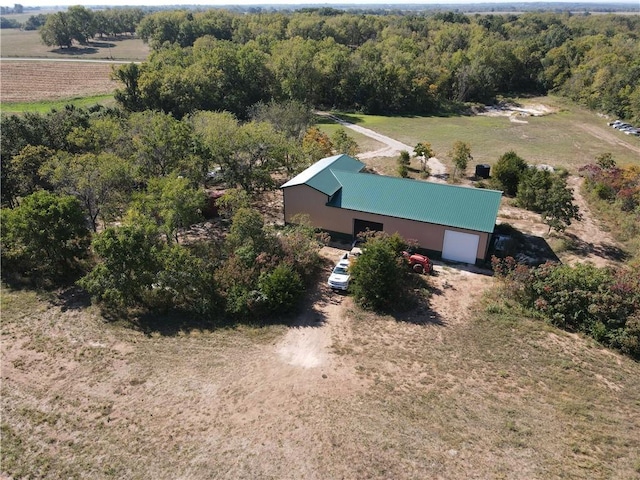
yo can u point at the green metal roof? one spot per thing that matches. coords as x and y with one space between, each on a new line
320 175
449 205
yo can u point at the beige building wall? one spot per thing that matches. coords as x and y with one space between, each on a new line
302 199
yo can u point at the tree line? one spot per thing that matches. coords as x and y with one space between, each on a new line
79 24
409 63
383 62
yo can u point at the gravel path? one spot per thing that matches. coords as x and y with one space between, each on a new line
393 147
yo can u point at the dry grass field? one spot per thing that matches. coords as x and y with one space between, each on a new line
23 43
453 389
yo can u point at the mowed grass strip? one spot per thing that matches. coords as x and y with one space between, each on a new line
47 106
569 138
365 144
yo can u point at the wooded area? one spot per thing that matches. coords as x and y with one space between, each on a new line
394 61
418 63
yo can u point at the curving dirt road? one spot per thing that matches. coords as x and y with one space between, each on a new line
393 147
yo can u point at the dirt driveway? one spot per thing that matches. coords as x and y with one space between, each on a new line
392 148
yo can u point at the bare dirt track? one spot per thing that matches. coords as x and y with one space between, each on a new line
609 137
32 81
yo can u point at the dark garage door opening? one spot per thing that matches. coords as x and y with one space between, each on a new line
360 226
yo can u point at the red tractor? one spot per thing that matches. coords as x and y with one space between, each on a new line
418 263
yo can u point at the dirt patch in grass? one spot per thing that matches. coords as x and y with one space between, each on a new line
36 81
517 113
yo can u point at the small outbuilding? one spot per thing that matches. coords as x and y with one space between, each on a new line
453 222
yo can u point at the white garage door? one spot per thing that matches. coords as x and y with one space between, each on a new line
460 247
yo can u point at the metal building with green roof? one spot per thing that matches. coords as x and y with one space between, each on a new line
452 221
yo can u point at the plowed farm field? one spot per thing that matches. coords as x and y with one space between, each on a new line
33 81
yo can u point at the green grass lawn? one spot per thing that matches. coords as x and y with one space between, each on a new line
570 138
365 144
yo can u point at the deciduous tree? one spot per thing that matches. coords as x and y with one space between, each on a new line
57 30
317 144
26 169
171 202
130 96
101 182
281 289
508 171
162 144
292 118
128 261
343 143
605 161
558 209
46 235
461 156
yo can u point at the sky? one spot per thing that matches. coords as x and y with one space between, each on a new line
50 3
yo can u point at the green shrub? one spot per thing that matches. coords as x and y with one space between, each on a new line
45 237
380 277
508 172
629 340
604 192
281 289
601 302
128 262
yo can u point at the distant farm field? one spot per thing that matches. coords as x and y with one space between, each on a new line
35 81
17 43
51 77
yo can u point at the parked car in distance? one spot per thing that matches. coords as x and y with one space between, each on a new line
620 126
614 123
418 263
632 131
339 278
